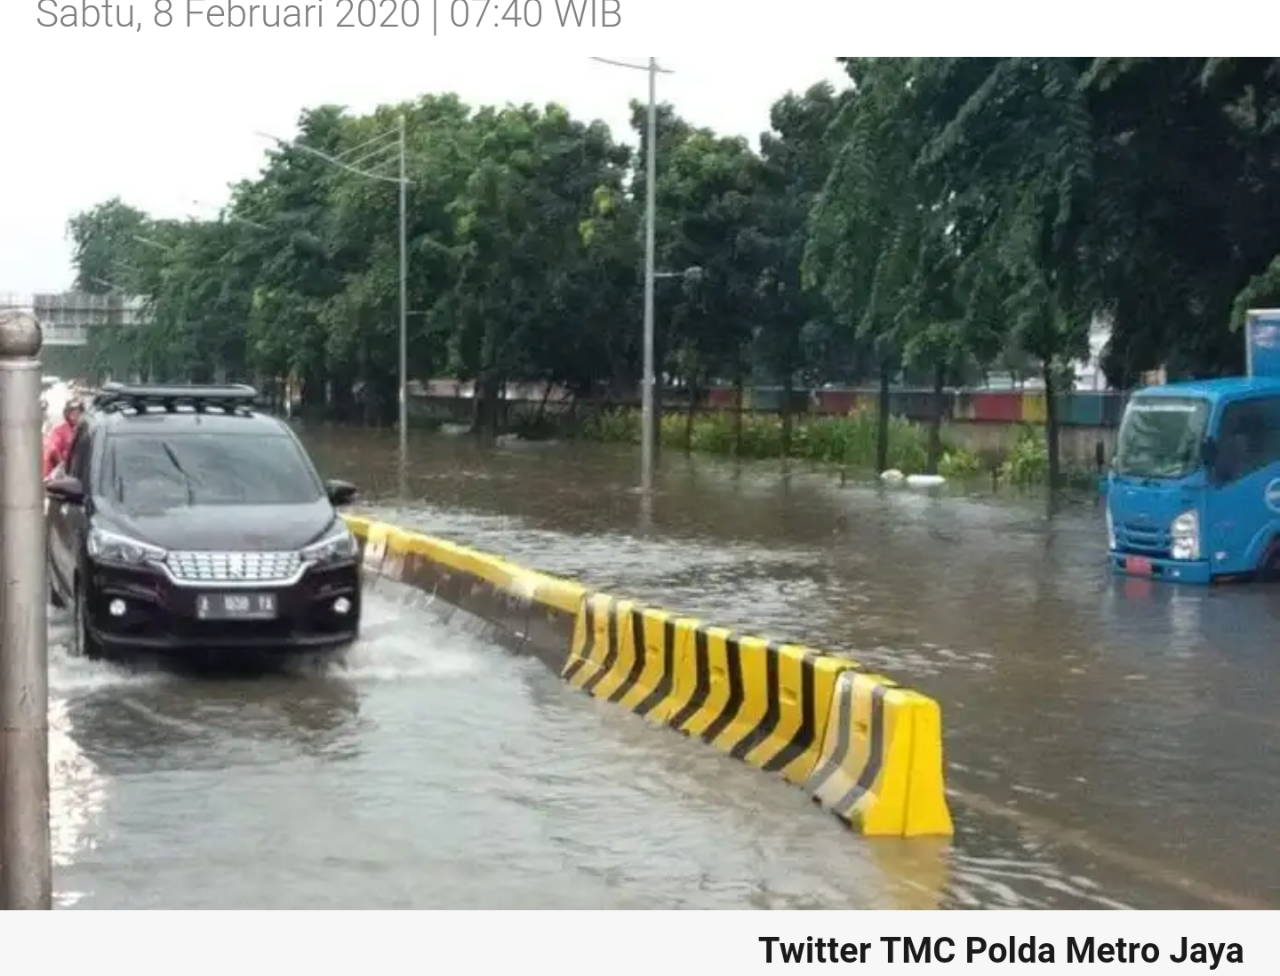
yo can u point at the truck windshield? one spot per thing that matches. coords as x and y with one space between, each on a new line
1161 436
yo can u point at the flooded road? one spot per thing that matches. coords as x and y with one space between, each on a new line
1109 745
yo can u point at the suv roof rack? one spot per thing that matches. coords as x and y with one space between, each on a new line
235 398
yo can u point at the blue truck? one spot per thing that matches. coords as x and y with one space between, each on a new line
1193 491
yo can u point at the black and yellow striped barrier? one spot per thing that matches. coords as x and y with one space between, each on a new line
525 609
864 747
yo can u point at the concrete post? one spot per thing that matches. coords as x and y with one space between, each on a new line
25 862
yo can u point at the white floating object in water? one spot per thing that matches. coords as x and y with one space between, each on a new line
925 480
893 475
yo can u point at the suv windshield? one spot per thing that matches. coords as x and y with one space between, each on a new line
1161 437
155 474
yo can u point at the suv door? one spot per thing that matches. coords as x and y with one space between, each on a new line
68 523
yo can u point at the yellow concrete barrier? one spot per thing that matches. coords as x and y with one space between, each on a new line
358 525
374 544
761 703
627 654
526 606
865 748
881 760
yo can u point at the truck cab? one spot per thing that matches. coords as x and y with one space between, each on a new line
1193 494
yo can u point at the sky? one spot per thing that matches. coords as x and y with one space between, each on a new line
168 126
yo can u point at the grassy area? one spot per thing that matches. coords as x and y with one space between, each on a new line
848 442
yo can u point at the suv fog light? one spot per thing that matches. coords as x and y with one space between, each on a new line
342 606
116 608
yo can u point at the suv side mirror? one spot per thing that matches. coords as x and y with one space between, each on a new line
68 490
340 492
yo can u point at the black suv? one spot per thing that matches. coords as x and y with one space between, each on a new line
187 521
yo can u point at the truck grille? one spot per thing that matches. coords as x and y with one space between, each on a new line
233 567
1149 540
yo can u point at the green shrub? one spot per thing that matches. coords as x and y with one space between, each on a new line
618 426
1027 462
959 464
848 441
532 425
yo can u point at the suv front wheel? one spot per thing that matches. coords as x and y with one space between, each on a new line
82 642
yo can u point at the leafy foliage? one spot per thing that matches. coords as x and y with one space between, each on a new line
937 218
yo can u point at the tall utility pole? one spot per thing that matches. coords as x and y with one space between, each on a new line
374 153
648 433
647 420
404 303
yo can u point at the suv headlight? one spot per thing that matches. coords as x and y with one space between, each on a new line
109 547
1185 533
1111 529
340 547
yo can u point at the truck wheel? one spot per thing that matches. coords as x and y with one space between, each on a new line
1269 571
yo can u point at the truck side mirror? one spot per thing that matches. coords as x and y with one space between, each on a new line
1209 454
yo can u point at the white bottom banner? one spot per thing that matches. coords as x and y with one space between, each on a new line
644 943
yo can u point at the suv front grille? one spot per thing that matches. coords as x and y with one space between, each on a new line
234 567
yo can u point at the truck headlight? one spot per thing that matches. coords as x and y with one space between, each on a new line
108 547
1185 533
340 547
1111 530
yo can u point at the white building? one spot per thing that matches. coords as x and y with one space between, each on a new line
1089 375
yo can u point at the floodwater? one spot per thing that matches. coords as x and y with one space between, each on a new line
1109 744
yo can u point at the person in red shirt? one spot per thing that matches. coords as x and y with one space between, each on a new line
58 444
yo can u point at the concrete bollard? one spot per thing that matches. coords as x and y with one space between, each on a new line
25 862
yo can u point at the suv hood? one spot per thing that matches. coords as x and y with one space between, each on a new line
227 528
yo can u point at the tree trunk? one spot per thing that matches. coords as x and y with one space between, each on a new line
342 395
485 426
882 434
739 382
542 406
388 407
788 393
659 357
1051 427
366 399
935 421
690 412
313 394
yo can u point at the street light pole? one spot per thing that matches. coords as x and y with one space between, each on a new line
404 304
648 433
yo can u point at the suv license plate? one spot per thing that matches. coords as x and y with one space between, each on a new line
236 606
1138 566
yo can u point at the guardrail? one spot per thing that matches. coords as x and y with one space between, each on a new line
860 744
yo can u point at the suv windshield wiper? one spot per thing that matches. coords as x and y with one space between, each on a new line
177 466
